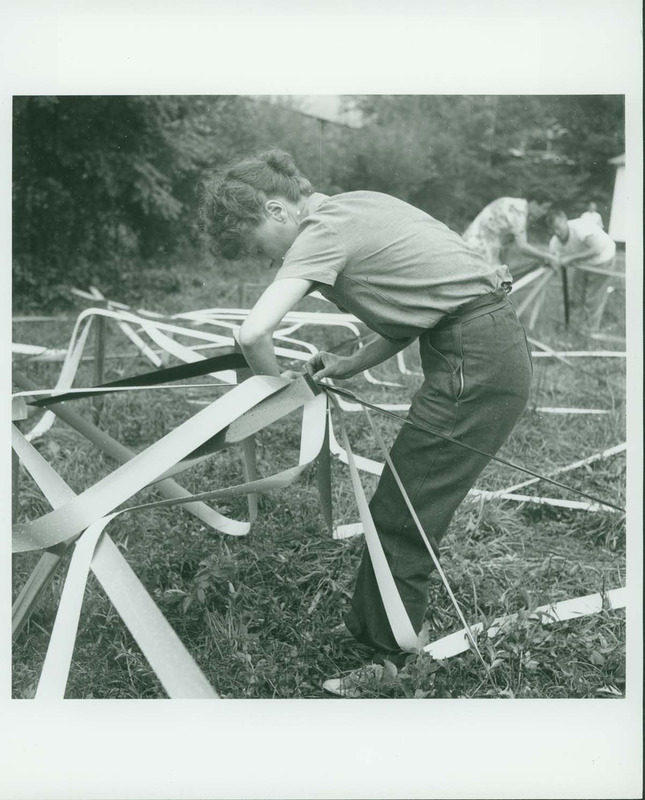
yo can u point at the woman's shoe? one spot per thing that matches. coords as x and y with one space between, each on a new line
359 682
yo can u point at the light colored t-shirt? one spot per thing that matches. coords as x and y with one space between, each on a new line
593 217
390 264
582 236
496 226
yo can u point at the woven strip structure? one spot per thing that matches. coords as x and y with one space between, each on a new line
80 523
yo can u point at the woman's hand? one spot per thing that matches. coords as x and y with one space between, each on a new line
291 374
329 365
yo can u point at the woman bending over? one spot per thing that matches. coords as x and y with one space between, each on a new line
406 276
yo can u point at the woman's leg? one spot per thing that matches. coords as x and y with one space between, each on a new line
477 382
597 295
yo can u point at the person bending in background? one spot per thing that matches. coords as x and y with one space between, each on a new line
505 221
407 277
592 215
580 242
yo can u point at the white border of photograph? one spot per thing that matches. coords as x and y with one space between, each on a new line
339 749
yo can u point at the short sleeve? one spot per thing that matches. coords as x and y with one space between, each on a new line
317 255
594 238
587 229
554 245
516 220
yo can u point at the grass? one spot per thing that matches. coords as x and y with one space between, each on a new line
257 612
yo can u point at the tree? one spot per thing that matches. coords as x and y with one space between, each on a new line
451 155
93 179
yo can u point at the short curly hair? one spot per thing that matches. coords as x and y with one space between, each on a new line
539 195
232 198
555 213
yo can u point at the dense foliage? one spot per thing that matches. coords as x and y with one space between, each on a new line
103 188
451 155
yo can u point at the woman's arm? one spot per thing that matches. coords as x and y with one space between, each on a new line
528 250
329 365
256 333
579 256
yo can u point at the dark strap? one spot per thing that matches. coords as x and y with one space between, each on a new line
193 370
423 427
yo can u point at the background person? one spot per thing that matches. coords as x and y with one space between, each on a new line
592 215
406 276
581 242
505 221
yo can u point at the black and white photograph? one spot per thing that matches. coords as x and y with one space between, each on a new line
329 398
